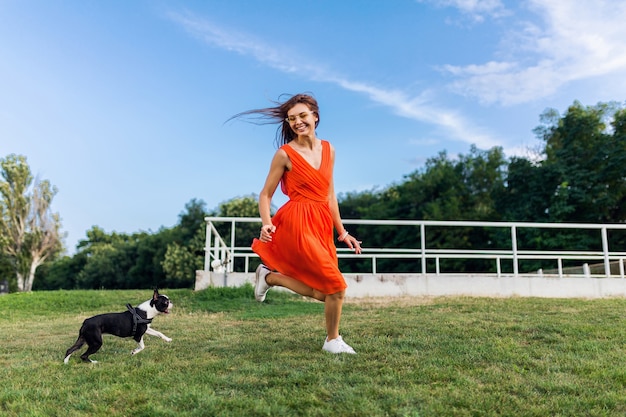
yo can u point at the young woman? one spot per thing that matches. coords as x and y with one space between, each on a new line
297 245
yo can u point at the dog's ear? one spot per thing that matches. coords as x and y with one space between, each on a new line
156 294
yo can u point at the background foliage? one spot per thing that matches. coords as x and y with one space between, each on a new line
578 176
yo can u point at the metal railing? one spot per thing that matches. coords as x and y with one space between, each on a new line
221 256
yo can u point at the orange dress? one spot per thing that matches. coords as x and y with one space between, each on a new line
302 246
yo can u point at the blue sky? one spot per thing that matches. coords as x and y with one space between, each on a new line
123 104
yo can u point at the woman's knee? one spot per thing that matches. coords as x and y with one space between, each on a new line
318 295
338 296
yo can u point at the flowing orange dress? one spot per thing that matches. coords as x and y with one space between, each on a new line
302 246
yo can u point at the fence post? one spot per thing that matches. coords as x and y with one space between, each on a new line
514 247
216 247
605 249
207 248
423 245
231 254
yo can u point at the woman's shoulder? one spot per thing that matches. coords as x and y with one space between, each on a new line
281 159
326 142
331 148
282 152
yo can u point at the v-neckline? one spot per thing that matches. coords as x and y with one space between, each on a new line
306 161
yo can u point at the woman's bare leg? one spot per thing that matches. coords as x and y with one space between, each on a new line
274 278
333 303
332 312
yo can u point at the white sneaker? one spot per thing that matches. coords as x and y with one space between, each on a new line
261 286
337 346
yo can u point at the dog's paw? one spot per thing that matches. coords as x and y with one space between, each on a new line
167 339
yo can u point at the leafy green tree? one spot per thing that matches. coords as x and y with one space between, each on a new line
529 189
588 159
184 252
186 255
579 180
189 221
60 274
445 189
246 206
118 260
107 268
180 262
29 231
6 270
149 250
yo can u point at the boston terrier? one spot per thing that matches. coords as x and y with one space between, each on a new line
132 323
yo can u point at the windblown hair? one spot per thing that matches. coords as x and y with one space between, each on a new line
278 114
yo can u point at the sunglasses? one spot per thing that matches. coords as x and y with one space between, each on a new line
295 117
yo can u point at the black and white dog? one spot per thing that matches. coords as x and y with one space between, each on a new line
132 323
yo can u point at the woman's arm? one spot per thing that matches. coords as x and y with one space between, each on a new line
333 204
279 164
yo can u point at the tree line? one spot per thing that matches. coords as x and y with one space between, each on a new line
578 175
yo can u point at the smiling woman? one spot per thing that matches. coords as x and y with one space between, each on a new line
122 120
296 245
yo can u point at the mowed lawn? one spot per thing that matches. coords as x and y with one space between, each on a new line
231 356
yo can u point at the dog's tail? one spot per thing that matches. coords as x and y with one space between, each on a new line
79 343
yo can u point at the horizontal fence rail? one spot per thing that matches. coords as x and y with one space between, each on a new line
227 257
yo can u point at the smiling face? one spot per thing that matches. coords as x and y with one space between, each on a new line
302 120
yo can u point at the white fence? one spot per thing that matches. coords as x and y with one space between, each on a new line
221 256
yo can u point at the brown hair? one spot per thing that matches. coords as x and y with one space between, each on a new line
278 113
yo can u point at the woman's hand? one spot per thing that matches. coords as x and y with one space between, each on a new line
351 242
266 232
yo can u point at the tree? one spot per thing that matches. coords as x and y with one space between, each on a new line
446 189
588 159
6 269
60 274
180 262
118 260
186 255
29 231
184 250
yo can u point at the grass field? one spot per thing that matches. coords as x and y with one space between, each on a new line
231 356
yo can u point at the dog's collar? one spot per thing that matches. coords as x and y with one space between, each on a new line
137 319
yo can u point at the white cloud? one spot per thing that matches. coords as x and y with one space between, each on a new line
476 10
418 108
572 41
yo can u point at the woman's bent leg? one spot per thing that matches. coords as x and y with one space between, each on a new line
274 278
333 304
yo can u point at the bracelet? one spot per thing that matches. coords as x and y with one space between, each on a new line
343 236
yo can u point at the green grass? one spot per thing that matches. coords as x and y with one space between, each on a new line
231 356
